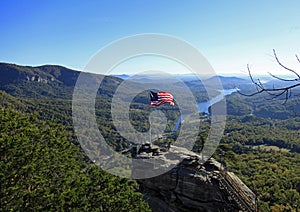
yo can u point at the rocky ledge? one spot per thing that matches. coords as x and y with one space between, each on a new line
192 185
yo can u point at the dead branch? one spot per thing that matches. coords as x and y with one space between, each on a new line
298 58
275 92
291 70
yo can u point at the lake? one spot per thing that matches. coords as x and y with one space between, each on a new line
203 107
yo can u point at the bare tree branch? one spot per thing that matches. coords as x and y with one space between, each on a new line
282 79
291 70
298 58
275 92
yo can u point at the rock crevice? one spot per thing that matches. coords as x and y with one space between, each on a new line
195 186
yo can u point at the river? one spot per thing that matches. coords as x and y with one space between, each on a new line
203 107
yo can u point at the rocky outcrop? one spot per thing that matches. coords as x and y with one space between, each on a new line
40 79
11 73
195 186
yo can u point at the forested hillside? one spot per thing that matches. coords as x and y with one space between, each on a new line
43 167
261 144
42 170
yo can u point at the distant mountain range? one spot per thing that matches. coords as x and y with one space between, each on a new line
42 81
121 76
229 82
58 81
45 74
192 80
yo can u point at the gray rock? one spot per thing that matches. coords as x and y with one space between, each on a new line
195 186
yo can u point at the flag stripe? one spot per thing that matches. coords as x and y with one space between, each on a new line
160 98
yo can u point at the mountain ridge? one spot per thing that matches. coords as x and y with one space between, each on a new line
42 81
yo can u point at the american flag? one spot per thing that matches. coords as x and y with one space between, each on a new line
159 98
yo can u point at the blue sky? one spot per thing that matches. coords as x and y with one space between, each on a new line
230 34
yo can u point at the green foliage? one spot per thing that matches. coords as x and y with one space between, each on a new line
273 175
41 170
248 149
251 130
9 101
237 107
262 105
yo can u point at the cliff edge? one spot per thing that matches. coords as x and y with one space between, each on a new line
193 185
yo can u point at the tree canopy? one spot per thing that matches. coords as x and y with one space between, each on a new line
42 170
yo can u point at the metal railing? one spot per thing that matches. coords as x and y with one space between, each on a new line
244 201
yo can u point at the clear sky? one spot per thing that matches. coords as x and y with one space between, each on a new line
230 34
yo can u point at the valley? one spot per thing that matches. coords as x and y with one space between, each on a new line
261 142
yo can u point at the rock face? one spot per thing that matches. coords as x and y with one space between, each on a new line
11 73
195 186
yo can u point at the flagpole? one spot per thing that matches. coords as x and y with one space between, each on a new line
150 119
150 129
